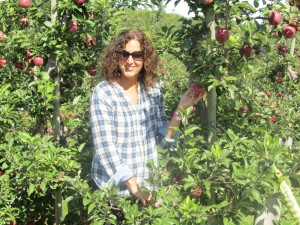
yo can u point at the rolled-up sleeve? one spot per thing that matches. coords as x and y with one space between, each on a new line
104 137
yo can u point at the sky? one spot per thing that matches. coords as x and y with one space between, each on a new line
182 8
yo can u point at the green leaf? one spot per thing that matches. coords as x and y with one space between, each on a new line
4 88
76 100
25 137
65 209
48 24
217 151
190 129
86 201
256 195
245 5
81 146
45 76
231 134
30 189
91 207
43 186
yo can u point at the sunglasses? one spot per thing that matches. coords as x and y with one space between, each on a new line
137 55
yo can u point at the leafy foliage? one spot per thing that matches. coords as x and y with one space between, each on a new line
257 109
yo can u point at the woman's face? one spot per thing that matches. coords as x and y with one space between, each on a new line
131 61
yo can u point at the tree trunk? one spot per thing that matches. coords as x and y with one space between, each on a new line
211 105
52 69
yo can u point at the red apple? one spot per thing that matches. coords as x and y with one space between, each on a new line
24 22
273 119
24 3
91 70
207 2
280 95
289 31
20 65
27 54
90 41
276 34
278 80
3 62
73 26
50 131
274 104
196 193
13 222
269 94
281 48
196 90
38 60
2 172
79 2
2 35
222 35
31 63
244 109
180 177
246 50
274 18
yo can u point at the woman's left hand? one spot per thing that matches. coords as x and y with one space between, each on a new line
188 100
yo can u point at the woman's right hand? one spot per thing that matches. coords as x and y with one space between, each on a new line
136 190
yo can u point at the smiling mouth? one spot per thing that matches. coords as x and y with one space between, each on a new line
129 68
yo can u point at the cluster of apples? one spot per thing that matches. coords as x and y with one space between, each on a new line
288 30
38 60
222 35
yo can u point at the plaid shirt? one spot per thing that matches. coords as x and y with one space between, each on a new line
125 135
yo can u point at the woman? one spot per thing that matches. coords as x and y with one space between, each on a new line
127 115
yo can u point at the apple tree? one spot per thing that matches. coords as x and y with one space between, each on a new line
230 47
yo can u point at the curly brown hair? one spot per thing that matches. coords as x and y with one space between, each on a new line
109 67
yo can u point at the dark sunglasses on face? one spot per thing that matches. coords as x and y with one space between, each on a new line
137 55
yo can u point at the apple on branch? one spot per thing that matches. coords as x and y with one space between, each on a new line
79 2
24 22
207 2
20 65
3 62
27 54
222 35
38 60
274 18
2 35
24 3
90 41
281 48
73 26
246 50
91 70
273 118
289 31
30 63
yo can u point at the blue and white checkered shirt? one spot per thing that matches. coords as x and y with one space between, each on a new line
125 135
